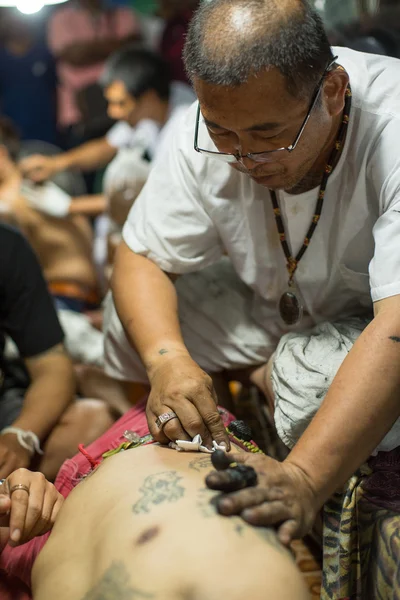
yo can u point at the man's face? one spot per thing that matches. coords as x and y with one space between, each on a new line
121 105
262 115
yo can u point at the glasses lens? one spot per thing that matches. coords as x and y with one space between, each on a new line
267 157
226 158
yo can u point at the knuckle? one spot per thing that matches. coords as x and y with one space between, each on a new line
35 509
213 419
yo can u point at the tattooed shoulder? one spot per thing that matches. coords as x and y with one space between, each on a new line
115 583
159 489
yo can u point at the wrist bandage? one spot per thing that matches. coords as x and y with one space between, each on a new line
26 439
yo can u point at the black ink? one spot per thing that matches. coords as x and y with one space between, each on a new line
157 489
115 583
232 479
163 351
220 460
148 535
394 338
200 463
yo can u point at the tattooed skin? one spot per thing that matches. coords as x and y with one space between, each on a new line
163 351
115 583
207 503
394 338
158 489
201 463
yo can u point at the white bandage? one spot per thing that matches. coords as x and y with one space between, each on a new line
128 171
26 439
47 198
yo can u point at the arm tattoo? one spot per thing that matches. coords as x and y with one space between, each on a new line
115 583
201 463
163 351
159 489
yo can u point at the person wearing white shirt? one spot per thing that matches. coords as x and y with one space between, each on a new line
143 99
288 165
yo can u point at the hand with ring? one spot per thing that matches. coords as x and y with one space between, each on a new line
183 402
29 505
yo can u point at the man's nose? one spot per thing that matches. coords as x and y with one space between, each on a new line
247 162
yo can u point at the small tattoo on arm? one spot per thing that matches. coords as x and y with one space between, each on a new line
163 351
201 463
159 489
115 583
394 338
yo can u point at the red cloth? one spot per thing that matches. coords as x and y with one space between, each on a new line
16 563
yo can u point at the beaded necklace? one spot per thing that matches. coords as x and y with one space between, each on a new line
290 305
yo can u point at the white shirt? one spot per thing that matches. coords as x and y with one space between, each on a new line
193 208
146 134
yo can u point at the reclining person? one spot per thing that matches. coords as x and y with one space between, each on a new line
143 525
64 249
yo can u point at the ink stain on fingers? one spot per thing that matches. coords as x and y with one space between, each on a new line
147 535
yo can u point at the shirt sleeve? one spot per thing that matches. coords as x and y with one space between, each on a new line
28 314
169 222
384 269
119 135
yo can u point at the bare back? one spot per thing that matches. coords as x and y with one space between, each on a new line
145 526
63 246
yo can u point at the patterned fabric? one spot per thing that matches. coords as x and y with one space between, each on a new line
361 544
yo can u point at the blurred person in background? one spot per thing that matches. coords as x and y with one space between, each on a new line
27 78
82 35
177 15
146 104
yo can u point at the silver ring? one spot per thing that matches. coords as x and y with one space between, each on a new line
19 486
163 419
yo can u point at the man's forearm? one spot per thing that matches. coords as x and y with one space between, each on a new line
46 399
147 305
89 156
92 206
361 406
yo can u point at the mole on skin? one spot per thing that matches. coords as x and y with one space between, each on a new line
147 535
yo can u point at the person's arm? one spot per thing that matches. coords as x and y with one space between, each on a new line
91 205
89 156
51 390
146 302
360 407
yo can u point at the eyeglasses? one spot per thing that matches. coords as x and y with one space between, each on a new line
269 155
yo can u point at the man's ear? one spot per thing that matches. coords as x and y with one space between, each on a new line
335 91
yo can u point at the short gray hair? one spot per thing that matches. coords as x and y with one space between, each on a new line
293 41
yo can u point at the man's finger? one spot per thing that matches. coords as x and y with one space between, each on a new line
35 507
211 417
19 507
288 532
234 504
5 505
44 523
190 420
267 514
157 433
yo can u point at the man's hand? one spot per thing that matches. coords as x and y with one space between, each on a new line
12 455
24 515
179 385
284 497
39 168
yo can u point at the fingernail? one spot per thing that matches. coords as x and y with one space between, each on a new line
16 534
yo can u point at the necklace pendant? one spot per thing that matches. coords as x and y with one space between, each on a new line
290 306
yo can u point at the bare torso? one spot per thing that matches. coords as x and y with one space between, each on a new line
145 527
63 246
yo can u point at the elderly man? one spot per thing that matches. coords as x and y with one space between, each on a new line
304 199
